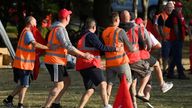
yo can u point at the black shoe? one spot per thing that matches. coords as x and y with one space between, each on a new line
183 77
54 105
20 105
8 103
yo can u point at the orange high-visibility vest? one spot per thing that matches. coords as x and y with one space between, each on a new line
144 54
57 55
82 63
133 36
111 38
166 30
25 54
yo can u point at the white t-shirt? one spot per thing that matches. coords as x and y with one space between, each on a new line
154 41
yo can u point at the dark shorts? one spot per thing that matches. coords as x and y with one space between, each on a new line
92 77
140 69
152 60
57 72
23 76
166 48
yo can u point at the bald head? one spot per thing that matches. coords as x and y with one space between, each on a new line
30 20
125 16
169 7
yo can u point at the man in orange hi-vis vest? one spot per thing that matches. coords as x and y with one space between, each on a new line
116 62
55 58
165 34
23 63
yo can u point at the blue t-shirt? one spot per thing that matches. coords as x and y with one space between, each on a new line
29 38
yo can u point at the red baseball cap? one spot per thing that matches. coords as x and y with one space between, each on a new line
63 13
178 4
138 21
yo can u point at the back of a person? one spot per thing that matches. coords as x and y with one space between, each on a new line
144 54
24 53
111 38
56 54
133 36
80 63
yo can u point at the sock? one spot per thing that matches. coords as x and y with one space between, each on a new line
10 98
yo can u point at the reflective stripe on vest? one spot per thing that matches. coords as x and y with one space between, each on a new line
111 38
25 54
133 36
82 63
56 54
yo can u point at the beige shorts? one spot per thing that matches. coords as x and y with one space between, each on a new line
114 72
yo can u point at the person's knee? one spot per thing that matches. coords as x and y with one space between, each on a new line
90 92
156 64
103 84
59 85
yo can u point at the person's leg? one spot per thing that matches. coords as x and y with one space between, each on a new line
58 86
166 46
103 93
67 82
178 60
158 73
143 83
111 77
9 100
24 80
172 62
58 74
109 89
147 91
134 92
22 94
85 97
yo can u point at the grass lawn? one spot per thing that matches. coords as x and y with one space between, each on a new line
179 97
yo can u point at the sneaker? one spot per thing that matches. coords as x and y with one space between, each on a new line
166 86
108 106
8 103
148 105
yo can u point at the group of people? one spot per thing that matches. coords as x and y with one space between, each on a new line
171 26
126 43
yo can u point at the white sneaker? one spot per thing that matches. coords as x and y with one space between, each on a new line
108 106
166 86
148 105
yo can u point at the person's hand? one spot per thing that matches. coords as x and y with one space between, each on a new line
121 48
88 56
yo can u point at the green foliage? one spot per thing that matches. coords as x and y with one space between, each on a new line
50 6
187 8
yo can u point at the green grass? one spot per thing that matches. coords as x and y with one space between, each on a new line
179 97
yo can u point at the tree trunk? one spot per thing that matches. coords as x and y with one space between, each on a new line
135 5
145 8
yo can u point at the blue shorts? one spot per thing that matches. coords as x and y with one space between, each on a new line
23 76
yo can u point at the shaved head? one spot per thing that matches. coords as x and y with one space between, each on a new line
125 16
